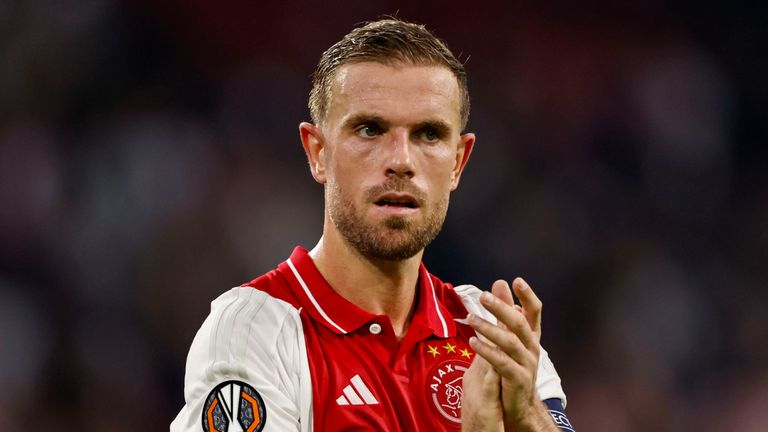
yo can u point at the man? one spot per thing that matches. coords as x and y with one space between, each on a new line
356 334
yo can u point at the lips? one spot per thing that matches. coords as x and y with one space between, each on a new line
397 200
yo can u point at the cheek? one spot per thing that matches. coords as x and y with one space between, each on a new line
439 166
347 176
440 187
359 162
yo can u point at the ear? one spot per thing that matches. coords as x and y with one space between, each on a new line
464 149
314 146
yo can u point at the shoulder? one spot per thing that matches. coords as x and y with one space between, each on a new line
243 330
274 284
250 341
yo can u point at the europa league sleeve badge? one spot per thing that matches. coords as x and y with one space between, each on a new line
234 406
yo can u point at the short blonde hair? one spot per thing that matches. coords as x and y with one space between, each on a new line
386 41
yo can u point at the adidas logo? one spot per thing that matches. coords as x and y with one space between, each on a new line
362 396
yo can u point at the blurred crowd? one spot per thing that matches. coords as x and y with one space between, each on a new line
149 160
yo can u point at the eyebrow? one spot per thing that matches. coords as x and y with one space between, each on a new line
359 119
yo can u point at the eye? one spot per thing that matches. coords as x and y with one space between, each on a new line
429 135
368 131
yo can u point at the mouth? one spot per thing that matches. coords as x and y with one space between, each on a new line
397 201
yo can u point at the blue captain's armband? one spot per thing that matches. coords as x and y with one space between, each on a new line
557 411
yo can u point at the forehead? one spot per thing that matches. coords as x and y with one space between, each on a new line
396 92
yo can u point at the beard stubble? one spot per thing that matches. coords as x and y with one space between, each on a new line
394 238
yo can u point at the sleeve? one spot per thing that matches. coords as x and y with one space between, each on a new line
548 385
247 365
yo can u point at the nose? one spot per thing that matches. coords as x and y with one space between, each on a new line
400 158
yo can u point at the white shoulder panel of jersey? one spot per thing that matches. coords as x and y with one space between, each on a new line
257 340
548 385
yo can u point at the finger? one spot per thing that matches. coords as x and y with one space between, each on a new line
512 318
532 306
481 366
500 362
506 340
501 289
484 374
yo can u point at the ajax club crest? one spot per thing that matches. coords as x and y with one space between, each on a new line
445 386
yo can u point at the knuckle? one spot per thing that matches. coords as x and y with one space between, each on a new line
533 359
511 345
499 355
519 323
535 352
508 370
537 304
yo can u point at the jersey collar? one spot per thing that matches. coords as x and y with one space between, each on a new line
431 310
341 316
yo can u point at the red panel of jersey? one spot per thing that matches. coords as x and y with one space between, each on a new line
362 378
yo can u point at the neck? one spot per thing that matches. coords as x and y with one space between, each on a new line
377 286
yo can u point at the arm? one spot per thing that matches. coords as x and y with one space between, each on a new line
247 364
510 349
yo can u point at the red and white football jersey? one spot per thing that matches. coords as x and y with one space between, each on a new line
285 352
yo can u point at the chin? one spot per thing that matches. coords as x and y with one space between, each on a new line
397 223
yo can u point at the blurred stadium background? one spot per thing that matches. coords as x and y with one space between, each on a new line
149 160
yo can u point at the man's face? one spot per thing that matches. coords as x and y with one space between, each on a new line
391 154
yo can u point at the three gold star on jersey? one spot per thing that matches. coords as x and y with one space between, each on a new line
448 349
